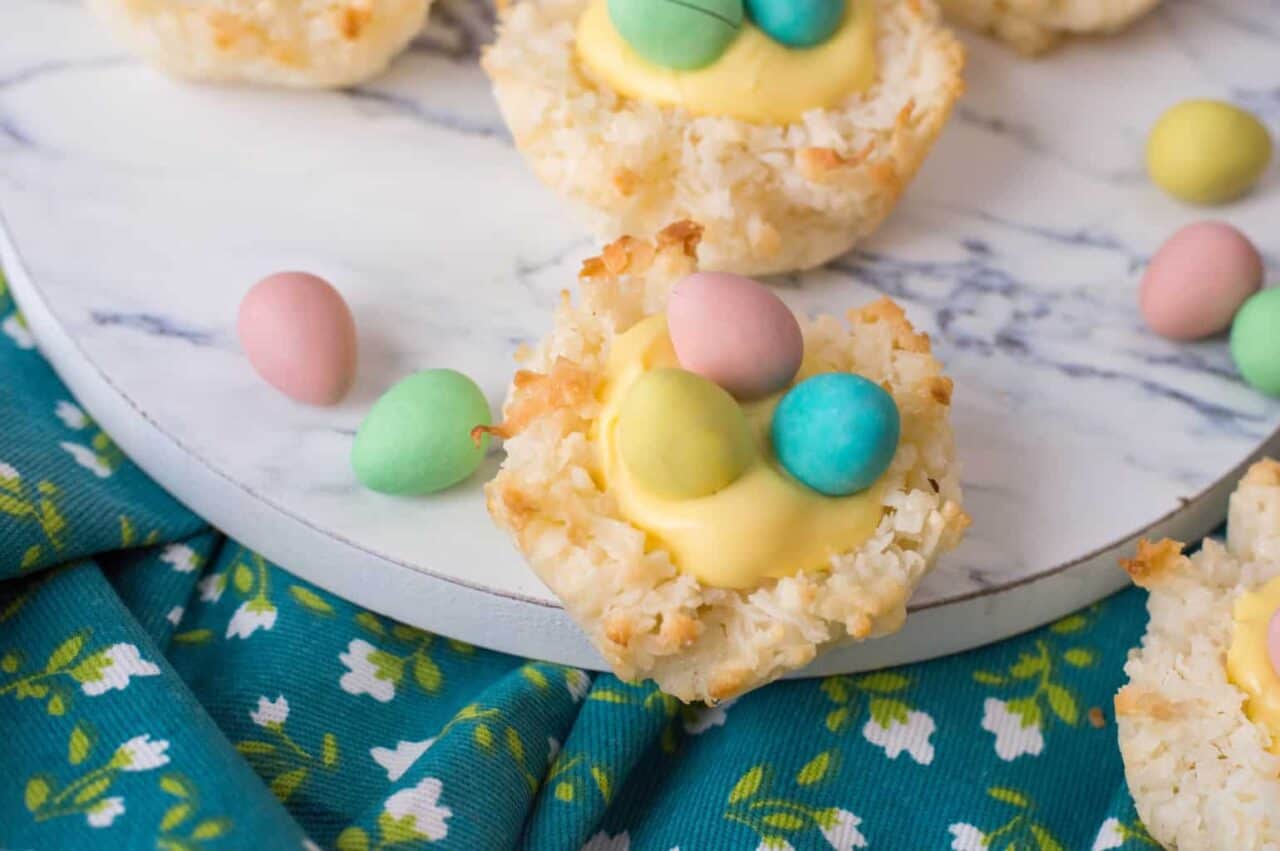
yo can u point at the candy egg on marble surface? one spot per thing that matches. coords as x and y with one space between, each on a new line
797 23
1207 151
682 437
1255 341
836 432
300 337
1197 280
736 332
679 34
416 439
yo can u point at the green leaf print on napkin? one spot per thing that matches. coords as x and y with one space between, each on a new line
1034 694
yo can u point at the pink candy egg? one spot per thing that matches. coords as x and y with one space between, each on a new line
1198 279
735 332
300 337
1273 642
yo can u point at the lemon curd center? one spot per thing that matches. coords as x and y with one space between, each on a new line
763 525
756 79
1248 665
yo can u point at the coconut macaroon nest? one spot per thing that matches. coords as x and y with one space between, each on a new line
772 198
282 42
1199 769
1034 26
647 618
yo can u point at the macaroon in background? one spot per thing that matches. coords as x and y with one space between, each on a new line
299 43
772 197
322 44
1035 26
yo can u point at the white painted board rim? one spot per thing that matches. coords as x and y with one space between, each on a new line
524 626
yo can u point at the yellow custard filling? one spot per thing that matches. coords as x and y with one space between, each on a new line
763 525
1248 665
757 79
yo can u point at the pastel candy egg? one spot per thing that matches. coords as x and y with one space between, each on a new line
836 432
680 34
736 332
299 336
682 437
797 23
1207 151
1273 642
1255 341
1198 279
416 438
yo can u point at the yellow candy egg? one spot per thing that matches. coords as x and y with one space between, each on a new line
1207 151
682 437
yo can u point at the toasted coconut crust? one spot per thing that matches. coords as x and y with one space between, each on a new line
1135 702
1199 769
773 198
1153 561
282 42
1265 473
648 619
1034 26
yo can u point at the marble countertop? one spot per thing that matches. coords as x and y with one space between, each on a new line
138 210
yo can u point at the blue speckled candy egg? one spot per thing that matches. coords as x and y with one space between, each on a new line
836 432
797 23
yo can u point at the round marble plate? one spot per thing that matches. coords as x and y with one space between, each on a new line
137 210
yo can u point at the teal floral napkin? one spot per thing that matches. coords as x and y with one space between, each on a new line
162 686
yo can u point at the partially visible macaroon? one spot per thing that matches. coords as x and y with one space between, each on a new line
299 43
788 156
1034 26
739 570
1199 720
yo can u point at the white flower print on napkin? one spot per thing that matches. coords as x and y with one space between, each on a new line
212 586
420 805
912 737
71 415
1013 737
16 330
775 845
87 458
842 832
396 761
604 842
141 754
1110 835
180 557
966 837
112 669
270 713
699 720
251 616
104 812
578 683
364 675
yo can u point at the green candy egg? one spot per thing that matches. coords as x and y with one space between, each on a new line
1255 341
680 34
682 436
1207 151
416 438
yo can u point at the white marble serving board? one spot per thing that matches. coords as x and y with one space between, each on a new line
137 210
